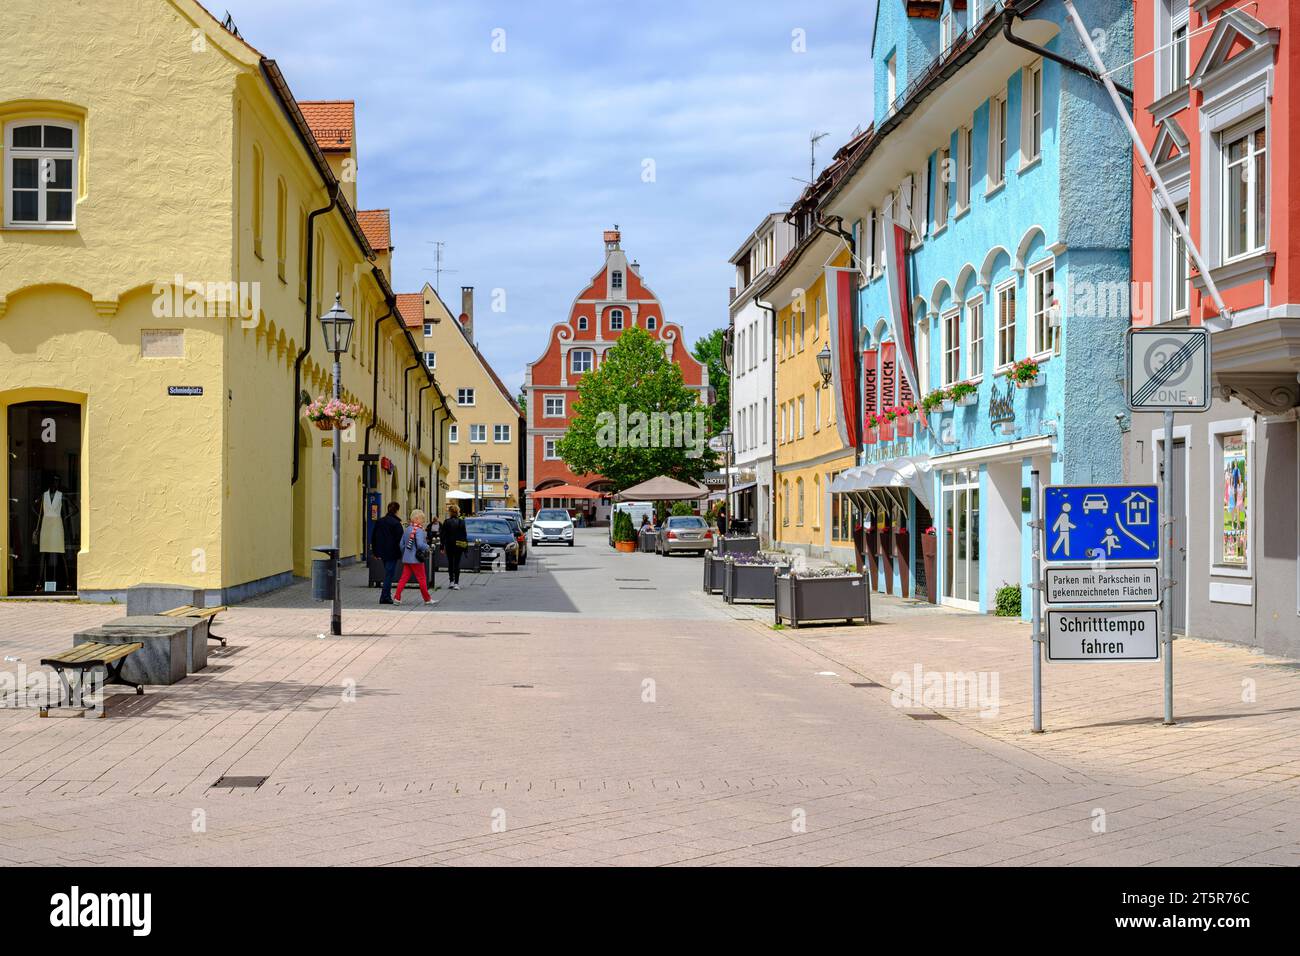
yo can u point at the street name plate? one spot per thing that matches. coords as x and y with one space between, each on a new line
1169 369
1102 584
1084 635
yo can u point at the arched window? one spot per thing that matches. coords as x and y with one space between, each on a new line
616 319
281 226
650 322
785 502
817 501
257 200
798 486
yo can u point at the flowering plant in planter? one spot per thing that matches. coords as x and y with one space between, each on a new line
834 571
962 393
1024 373
759 557
891 414
327 414
934 400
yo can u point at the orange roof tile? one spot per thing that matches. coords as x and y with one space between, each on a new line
332 122
410 305
377 225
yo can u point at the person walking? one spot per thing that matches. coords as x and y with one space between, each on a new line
415 551
452 536
722 521
386 546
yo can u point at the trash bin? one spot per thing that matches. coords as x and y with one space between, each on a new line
322 579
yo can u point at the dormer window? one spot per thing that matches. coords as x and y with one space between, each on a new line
616 280
41 173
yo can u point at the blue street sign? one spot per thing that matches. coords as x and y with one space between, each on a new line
1086 523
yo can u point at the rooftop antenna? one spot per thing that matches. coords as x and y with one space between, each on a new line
813 139
438 270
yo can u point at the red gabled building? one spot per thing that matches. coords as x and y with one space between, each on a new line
1213 101
614 300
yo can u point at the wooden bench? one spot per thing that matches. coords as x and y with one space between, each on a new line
86 658
205 613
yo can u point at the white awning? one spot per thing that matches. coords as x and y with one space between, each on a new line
891 478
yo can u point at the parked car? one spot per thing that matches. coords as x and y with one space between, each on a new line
517 524
494 536
552 526
637 509
686 533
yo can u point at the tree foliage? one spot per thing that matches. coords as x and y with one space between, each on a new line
709 351
635 384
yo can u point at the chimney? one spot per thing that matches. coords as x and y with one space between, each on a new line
467 310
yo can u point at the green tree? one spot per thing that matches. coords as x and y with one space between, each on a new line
709 351
635 419
522 401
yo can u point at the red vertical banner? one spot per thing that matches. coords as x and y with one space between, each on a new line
839 285
888 376
870 388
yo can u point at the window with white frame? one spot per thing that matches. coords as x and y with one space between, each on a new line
1245 190
453 433
753 345
965 165
582 323
549 452
976 11
975 337
616 279
492 472
763 432
1179 273
501 434
943 160
891 80
1179 34
1031 109
580 360
466 472
801 416
650 321
428 329
945 32
798 484
477 434
997 141
615 320
817 409
1042 290
465 396
922 354
41 174
1005 344
951 346
430 359
553 406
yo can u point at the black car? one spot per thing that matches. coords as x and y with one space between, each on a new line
493 535
516 522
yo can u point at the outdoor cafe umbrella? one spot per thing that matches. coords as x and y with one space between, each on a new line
663 488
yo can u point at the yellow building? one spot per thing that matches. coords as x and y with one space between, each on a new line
174 224
809 451
488 422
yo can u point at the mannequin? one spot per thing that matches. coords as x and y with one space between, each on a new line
50 534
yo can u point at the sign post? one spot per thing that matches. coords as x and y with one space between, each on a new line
1035 552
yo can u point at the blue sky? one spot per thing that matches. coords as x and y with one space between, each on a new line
517 160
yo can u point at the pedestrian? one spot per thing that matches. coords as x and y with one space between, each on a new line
722 521
415 551
454 545
386 546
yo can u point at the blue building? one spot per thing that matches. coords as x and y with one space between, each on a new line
1010 173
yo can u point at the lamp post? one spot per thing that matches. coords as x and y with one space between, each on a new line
336 327
505 484
475 461
727 346
824 364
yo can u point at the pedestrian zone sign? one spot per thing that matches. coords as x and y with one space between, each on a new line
1090 523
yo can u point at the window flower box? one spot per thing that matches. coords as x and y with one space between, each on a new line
947 405
750 581
1025 374
967 400
808 598
869 436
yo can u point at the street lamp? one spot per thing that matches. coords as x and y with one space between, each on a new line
336 327
824 364
505 483
475 461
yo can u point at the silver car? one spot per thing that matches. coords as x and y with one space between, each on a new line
685 533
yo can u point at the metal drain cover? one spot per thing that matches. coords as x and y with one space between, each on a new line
869 683
927 716
251 783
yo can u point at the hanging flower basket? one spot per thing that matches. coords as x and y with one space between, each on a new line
328 414
1025 373
869 436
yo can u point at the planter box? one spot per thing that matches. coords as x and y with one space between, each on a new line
750 582
966 401
738 544
625 547
714 571
869 436
808 600
1032 383
647 541
886 431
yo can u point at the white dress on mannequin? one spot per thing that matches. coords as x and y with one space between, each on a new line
52 522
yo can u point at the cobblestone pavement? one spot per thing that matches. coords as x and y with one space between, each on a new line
595 708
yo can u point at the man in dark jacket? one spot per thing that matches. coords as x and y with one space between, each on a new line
386 545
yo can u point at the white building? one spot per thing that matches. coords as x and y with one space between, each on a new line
752 385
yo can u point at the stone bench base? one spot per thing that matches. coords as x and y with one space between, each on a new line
196 634
160 661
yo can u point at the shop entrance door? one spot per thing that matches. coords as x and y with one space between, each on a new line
44 497
961 538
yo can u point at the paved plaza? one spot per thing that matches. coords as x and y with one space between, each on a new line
596 708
